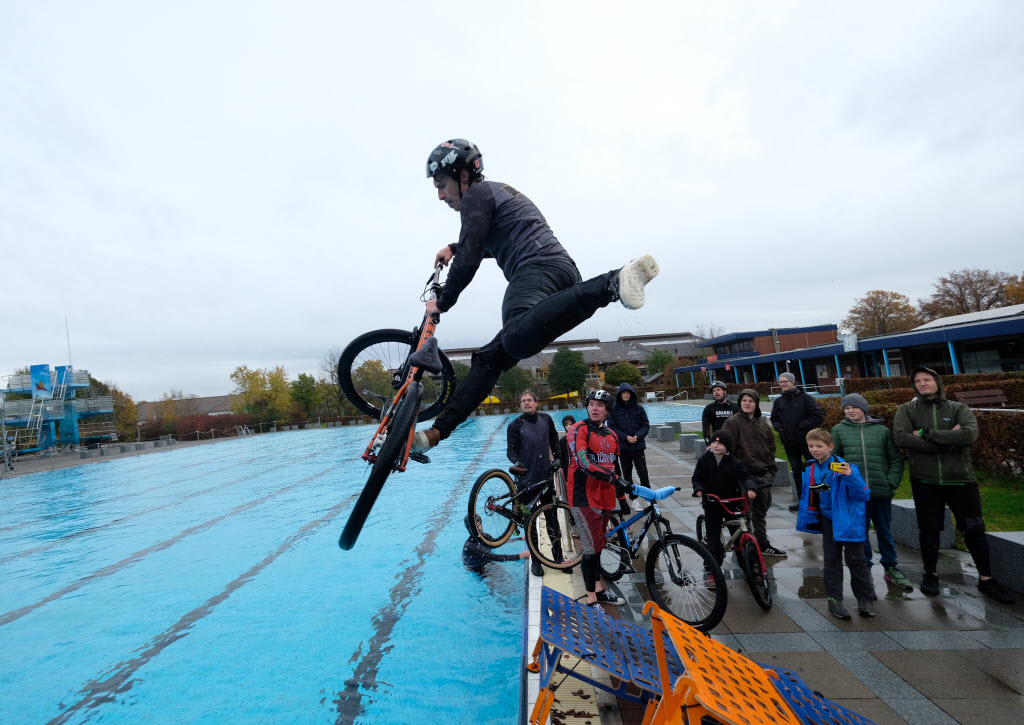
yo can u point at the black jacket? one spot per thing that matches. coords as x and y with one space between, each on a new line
794 413
725 478
629 419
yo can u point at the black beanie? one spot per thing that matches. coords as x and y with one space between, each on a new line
723 437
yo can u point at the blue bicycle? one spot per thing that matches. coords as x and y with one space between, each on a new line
682 575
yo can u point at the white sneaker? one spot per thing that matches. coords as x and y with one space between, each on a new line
632 278
420 442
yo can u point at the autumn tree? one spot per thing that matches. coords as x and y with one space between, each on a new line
964 291
327 382
567 372
461 371
513 382
1014 290
262 393
880 312
304 393
620 373
126 413
658 361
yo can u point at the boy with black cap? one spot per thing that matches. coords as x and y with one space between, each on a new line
867 443
722 474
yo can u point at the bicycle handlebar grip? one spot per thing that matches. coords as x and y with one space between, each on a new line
651 494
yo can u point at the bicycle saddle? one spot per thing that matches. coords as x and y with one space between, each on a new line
427 358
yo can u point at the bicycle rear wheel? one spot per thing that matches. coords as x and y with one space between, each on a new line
757 577
372 368
551 538
489 499
702 530
677 572
615 555
388 458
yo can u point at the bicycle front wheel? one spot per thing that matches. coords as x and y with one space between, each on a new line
372 368
551 536
757 577
388 458
685 580
490 519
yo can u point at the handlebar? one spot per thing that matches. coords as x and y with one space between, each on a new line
652 495
727 502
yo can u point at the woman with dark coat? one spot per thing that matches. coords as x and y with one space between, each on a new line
629 421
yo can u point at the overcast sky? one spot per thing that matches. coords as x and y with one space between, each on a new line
203 185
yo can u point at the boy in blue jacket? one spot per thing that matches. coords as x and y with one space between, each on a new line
841 492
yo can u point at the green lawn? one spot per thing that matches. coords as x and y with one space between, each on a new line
1002 501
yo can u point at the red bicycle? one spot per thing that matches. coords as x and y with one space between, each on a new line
398 377
744 544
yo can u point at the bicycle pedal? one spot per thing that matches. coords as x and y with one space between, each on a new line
419 457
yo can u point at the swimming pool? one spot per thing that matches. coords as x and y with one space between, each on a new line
205 585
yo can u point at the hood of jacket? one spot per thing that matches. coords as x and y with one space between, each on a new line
938 381
626 388
757 398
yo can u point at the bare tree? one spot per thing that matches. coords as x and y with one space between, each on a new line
879 313
963 291
329 376
1015 290
707 331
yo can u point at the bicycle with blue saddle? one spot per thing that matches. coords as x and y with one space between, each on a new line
682 575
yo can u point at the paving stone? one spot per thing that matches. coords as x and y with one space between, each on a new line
1000 638
820 670
935 640
876 676
977 711
750 619
1007 666
854 641
785 642
933 613
944 674
873 709
919 711
885 620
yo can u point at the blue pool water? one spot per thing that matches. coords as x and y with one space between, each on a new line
205 585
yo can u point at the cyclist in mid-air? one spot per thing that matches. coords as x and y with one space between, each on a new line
545 297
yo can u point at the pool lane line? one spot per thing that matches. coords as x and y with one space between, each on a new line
128 517
348 702
128 561
119 680
130 494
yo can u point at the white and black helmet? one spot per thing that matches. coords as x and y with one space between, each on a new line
718 384
603 395
453 156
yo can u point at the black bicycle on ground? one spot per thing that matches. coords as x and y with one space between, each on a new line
682 576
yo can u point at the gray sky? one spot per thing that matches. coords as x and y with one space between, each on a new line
203 185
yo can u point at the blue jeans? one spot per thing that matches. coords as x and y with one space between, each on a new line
879 512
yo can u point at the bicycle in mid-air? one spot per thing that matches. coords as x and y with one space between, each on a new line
744 544
498 507
678 567
397 377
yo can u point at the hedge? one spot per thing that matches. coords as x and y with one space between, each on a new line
1000 444
860 385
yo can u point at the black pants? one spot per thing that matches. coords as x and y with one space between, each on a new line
630 458
543 301
930 501
714 518
798 454
853 553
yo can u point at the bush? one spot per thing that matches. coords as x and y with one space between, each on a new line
860 385
622 373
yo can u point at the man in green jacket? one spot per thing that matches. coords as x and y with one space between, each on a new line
939 433
866 441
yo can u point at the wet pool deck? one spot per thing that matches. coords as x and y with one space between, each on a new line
955 658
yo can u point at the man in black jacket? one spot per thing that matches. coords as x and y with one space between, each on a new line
717 413
629 421
794 413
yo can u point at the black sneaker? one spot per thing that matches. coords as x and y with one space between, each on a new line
794 507
606 597
596 606
866 608
770 550
930 585
536 568
837 609
995 590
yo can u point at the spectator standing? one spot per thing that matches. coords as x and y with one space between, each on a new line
754 445
794 414
939 433
865 442
629 421
716 413
563 446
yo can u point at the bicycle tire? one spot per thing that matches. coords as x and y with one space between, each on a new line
690 600
539 537
702 532
615 556
490 527
387 351
387 459
757 578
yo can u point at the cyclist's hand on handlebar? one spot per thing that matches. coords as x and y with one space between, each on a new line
622 487
432 308
517 470
751 495
444 256
698 494
624 508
